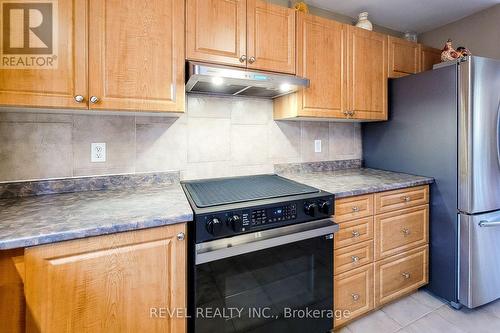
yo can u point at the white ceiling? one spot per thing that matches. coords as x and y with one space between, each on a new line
404 15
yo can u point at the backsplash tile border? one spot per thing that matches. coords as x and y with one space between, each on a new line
320 166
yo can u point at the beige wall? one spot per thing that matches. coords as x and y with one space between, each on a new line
479 32
216 137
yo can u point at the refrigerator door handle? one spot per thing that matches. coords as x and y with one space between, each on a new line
498 133
486 224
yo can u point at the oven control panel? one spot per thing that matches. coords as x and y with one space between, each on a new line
239 221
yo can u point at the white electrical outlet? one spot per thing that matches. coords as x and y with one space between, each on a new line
317 146
98 152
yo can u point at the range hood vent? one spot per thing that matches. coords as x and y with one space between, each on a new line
229 81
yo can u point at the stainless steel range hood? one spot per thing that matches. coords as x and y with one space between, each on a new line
230 81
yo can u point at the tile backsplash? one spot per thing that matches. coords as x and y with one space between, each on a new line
215 137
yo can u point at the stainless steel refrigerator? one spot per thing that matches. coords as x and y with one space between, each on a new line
445 123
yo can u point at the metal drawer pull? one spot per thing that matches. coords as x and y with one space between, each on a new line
252 60
79 98
355 259
355 233
406 198
243 58
486 224
355 297
406 231
355 209
406 275
181 236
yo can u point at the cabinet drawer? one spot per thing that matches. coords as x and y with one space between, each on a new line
353 232
353 292
353 208
398 275
399 231
399 199
353 256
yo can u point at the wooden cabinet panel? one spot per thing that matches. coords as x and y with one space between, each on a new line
270 37
353 232
401 230
353 208
367 74
354 293
321 59
404 57
136 57
107 283
429 57
401 274
400 199
216 31
56 85
12 302
353 256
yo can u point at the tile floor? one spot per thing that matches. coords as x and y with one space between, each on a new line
423 313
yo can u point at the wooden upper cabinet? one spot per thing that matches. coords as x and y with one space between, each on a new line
216 31
136 55
270 37
107 283
366 74
62 71
429 57
404 57
320 58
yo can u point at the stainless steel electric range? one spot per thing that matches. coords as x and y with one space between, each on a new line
261 256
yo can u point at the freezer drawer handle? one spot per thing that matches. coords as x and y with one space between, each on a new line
486 224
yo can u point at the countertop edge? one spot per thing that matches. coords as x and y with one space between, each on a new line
75 234
384 188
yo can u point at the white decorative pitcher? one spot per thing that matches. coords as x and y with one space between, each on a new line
363 21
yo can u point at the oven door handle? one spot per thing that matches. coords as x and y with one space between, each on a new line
246 243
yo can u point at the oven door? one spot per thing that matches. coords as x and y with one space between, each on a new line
278 280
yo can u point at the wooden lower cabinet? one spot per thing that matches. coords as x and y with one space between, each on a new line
399 275
12 304
353 293
107 283
379 258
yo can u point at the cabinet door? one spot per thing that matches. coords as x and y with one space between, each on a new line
46 70
404 57
12 302
216 31
270 37
107 283
367 74
321 58
136 55
429 56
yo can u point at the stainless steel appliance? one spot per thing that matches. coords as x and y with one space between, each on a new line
445 123
230 81
261 252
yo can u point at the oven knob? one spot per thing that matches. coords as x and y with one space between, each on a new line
214 226
324 207
311 209
235 222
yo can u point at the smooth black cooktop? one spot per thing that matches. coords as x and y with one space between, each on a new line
221 191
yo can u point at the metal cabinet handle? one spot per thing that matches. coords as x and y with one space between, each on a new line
252 60
346 113
355 209
79 98
181 236
243 58
355 259
355 297
351 113
94 99
406 198
355 233
487 224
406 231
406 275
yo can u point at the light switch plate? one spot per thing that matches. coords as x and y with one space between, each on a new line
98 152
317 146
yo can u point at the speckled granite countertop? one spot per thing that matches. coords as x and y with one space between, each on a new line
345 183
34 220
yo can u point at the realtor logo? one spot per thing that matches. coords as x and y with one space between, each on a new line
29 34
